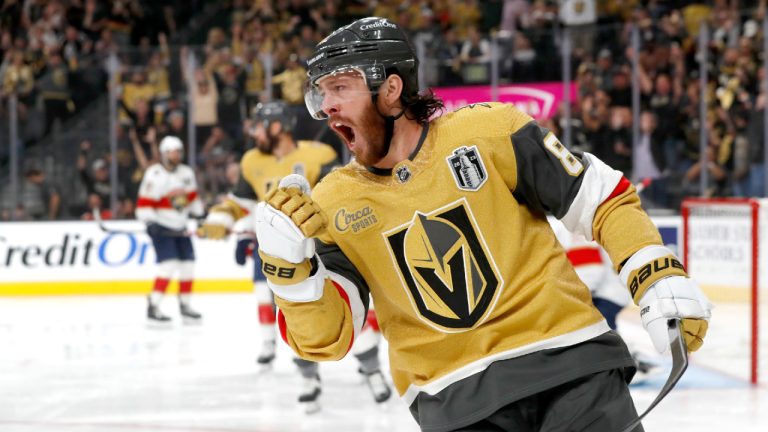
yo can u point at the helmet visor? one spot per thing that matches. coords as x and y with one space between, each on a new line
341 86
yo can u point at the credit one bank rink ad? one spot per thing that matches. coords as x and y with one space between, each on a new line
81 258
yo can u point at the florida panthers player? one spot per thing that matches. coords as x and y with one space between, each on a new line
167 198
276 155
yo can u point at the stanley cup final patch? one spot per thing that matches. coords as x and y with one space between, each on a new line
467 168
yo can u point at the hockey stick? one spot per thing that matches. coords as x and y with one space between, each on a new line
100 222
103 227
642 184
166 232
679 365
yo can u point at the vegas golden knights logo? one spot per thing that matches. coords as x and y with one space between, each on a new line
446 267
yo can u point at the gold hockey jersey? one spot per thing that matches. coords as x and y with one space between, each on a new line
260 171
311 159
454 247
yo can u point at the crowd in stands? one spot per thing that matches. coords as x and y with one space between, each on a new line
668 149
55 61
58 56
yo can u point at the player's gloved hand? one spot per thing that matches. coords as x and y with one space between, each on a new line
662 289
243 250
285 222
216 226
675 297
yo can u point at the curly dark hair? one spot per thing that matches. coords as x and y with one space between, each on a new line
422 106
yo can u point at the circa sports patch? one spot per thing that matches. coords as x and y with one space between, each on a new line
467 168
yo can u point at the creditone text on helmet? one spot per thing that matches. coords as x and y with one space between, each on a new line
382 23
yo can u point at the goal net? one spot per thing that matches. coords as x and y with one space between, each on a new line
725 249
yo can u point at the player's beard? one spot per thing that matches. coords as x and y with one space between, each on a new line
268 145
371 130
170 164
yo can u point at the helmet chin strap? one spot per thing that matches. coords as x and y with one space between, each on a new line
389 125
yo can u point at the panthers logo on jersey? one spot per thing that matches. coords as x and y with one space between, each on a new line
446 267
178 199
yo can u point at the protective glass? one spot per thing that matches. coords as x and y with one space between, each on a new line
340 86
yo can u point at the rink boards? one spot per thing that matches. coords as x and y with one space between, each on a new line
53 258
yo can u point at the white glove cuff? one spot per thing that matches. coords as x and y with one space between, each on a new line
308 290
641 258
220 218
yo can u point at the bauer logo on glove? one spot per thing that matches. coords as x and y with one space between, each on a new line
663 290
653 271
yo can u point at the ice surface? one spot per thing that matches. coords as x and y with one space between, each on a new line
91 364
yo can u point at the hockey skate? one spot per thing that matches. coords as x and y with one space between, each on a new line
378 385
310 395
267 355
156 317
189 315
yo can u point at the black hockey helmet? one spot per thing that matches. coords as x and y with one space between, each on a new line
376 47
268 112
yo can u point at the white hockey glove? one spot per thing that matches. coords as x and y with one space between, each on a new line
285 222
661 287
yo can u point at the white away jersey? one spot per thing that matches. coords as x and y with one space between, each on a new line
168 197
592 264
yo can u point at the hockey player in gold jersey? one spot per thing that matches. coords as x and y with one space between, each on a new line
276 155
442 222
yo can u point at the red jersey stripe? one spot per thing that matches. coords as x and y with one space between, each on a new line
585 255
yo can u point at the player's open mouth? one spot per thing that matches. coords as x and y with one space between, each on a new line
345 131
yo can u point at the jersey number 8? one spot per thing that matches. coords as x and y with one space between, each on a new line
572 165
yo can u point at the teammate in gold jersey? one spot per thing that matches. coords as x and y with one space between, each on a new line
443 223
276 155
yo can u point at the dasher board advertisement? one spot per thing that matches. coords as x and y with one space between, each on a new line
80 258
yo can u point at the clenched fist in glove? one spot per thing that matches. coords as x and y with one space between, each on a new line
663 290
286 221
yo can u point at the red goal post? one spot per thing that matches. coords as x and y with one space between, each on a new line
724 244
